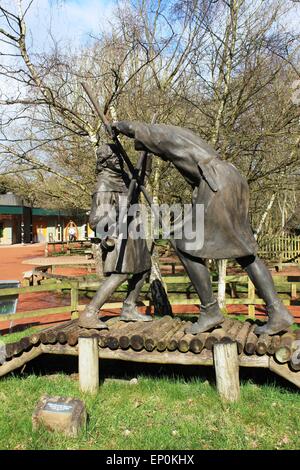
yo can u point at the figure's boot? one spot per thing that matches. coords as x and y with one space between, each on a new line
89 319
210 316
129 312
279 319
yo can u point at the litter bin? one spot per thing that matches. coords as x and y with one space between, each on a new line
8 303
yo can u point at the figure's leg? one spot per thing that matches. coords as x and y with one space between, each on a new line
89 317
129 311
198 273
279 317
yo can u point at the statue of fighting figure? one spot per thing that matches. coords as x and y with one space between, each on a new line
224 194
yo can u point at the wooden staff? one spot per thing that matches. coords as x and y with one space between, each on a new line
122 152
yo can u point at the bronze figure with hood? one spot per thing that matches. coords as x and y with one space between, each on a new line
124 258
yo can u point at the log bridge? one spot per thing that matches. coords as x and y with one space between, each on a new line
163 341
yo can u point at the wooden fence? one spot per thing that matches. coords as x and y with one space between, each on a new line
284 248
240 291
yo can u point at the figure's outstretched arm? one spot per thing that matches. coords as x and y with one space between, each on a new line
124 127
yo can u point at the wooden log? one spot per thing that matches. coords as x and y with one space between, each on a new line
184 343
274 344
263 343
19 361
153 336
295 359
163 341
102 338
227 324
112 340
234 329
88 359
25 343
226 364
72 336
35 338
198 342
251 341
216 336
242 336
9 350
49 335
137 340
62 335
285 350
172 343
132 329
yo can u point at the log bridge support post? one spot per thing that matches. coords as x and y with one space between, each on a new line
226 364
88 362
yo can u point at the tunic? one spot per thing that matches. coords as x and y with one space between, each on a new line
217 184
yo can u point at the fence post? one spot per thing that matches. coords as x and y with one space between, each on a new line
251 299
74 300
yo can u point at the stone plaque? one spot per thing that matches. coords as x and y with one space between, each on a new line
67 415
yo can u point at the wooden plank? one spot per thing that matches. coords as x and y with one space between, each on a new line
37 313
205 358
30 289
19 361
284 371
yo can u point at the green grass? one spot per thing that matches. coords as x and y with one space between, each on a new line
157 413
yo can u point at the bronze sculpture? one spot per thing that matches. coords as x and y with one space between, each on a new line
121 256
224 193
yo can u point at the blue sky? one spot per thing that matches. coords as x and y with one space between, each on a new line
69 20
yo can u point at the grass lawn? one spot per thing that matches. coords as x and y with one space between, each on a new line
158 413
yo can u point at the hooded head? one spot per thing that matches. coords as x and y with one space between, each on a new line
107 157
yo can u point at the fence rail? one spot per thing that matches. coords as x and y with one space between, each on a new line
283 248
180 292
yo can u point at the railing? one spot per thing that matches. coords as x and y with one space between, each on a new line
180 292
282 248
66 247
